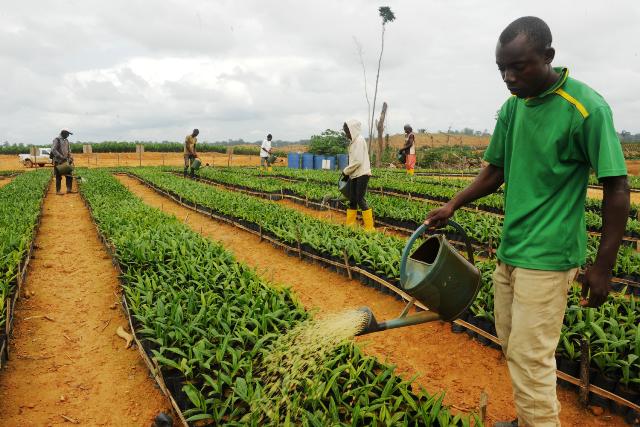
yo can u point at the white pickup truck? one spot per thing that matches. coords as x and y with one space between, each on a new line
40 159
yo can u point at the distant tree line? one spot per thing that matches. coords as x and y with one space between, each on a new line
626 137
464 131
240 146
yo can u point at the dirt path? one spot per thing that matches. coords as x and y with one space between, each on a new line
442 360
4 181
70 363
595 193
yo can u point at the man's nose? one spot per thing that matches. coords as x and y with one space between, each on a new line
508 76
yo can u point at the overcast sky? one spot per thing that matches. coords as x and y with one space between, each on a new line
153 70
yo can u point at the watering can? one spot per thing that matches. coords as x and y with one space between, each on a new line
402 156
195 165
436 275
64 168
344 187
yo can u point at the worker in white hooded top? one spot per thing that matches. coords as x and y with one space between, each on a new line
359 172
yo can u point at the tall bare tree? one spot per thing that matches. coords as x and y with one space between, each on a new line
380 129
364 76
387 16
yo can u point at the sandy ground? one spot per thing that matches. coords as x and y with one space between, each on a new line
10 162
70 363
5 181
440 140
595 193
442 361
633 167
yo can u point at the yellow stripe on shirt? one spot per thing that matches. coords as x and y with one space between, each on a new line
573 101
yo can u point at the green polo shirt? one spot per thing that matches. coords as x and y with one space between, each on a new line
546 146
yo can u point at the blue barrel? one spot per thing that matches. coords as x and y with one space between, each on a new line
317 161
307 161
343 161
293 160
331 161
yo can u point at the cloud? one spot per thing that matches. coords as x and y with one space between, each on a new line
141 69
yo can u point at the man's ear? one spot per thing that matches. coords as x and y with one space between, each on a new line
549 54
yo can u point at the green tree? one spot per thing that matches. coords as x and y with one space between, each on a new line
329 142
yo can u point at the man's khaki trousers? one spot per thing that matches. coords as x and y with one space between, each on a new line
529 309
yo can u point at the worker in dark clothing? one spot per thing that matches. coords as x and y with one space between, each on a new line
61 153
190 153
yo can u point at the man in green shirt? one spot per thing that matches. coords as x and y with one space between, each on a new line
548 136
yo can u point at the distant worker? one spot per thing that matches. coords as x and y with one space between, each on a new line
265 153
549 134
190 153
61 153
359 172
409 149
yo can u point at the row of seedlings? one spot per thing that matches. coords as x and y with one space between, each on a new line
20 209
484 230
209 321
634 181
396 210
414 187
274 219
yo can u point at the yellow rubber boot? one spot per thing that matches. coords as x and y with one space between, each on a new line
351 216
410 171
269 169
367 218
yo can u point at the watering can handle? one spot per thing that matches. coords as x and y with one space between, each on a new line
419 232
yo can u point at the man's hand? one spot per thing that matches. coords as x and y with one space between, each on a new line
615 213
488 181
595 285
438 218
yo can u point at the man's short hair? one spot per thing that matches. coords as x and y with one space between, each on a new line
408 126
269 136
535 29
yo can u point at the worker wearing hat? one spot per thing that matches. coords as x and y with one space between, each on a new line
61 153
190 153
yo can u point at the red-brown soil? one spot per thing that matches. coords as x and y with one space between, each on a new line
5 181
10 162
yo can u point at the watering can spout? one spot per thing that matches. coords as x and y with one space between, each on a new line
370 324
